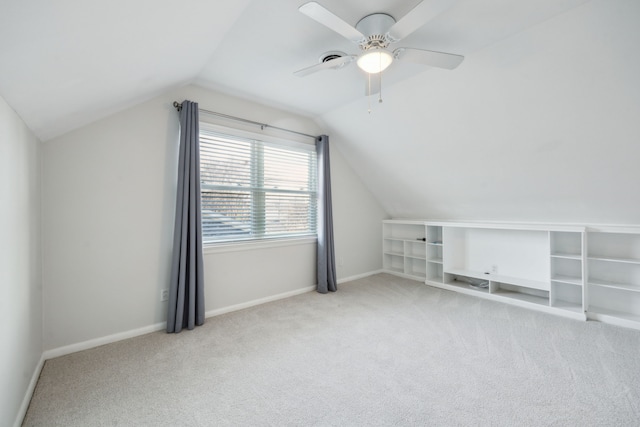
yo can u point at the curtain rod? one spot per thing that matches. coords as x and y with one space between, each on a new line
178 107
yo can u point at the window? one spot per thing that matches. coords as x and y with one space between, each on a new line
253 189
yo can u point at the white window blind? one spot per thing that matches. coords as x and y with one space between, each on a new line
254 189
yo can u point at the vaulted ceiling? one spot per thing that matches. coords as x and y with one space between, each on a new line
546 96
64 64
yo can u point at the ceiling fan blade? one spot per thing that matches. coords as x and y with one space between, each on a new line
318 13
417 17
428 57
335 63
372 84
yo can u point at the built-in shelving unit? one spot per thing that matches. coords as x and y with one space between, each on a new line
614 277
574 271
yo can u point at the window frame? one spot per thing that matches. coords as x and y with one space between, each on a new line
262 241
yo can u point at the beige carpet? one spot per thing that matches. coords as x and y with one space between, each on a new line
380 351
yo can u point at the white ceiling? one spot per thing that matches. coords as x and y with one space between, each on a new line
538 123
64 64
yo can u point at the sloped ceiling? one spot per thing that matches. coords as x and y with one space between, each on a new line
541 126
538 123
272 40
64 64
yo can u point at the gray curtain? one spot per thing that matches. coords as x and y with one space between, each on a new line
186 290
326 255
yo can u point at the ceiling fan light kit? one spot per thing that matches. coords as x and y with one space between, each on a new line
375 61
374 33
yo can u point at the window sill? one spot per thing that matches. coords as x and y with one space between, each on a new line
216 248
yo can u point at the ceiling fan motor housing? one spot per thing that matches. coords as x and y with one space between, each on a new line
375 27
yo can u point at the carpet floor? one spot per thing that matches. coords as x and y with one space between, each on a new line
381 351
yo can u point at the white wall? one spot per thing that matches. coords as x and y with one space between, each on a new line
542 126
20 262
357 220
109 191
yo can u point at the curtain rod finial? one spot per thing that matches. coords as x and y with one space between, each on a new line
177 105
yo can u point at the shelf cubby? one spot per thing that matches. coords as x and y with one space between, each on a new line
434 272
393 246
465 282
607 273
566 270
566 244
566 296
394 263
610 246
404 249
605 300
434 235
415 249
415 267
519 293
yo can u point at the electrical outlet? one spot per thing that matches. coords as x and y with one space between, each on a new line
494 269
340 261
164 295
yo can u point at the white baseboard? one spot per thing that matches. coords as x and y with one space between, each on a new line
358 276
29 393
236 307
97 342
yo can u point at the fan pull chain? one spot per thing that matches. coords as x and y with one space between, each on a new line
369 93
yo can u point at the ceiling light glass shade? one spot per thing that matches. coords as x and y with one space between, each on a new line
375 61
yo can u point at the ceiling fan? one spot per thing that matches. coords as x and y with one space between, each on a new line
374 33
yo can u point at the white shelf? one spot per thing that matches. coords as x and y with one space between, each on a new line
422 257
613 285
398 239
518 281
434 244
611 259
466 286
509 226
577 257
569 306
614 313
567 279
435 260
400 254
403 222
522 297
468 273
